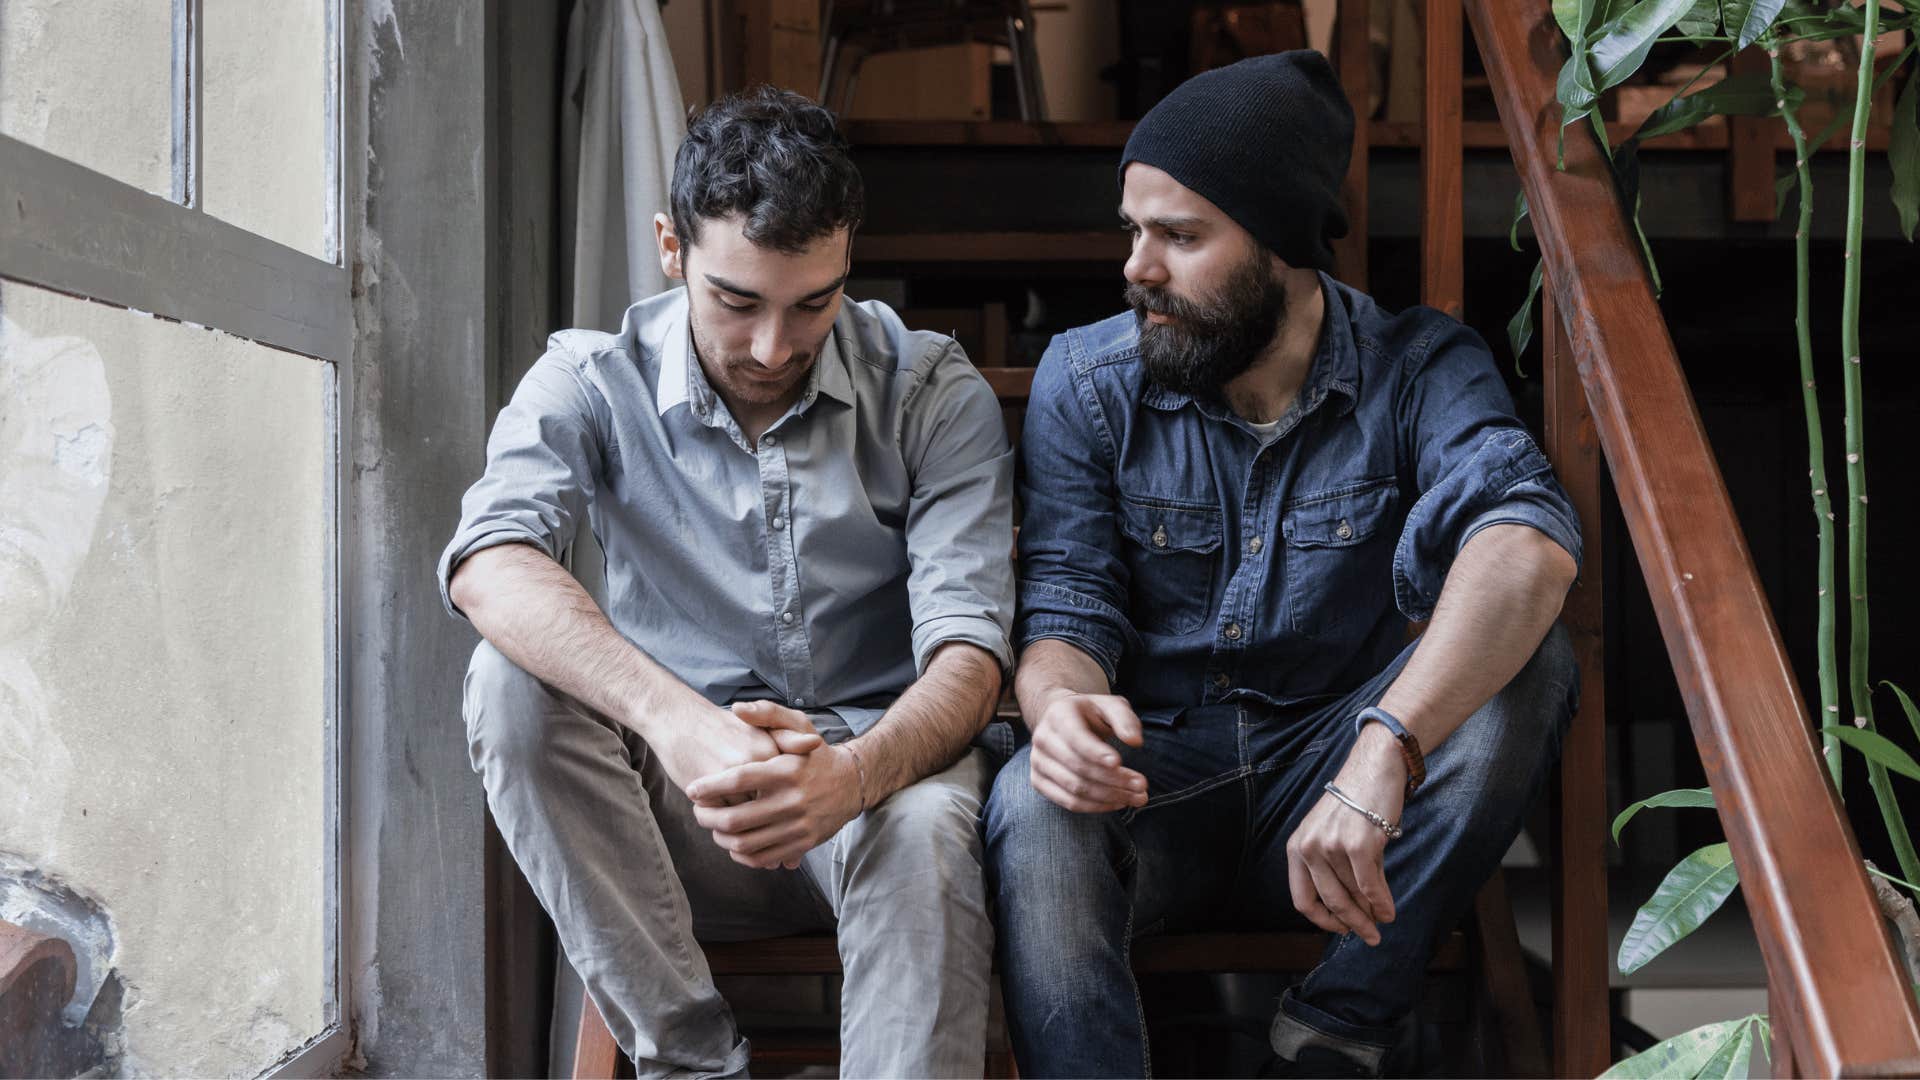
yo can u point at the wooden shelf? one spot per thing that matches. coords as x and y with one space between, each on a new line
977 247
1475 135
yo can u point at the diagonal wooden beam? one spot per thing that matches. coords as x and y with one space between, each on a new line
1842 996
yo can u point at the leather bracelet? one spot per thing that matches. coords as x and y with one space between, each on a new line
1393 831
1410 751
860 768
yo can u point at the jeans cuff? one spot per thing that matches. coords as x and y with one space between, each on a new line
1297 1025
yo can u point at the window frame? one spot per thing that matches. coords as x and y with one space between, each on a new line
73 230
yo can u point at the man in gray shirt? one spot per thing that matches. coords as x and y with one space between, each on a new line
806 511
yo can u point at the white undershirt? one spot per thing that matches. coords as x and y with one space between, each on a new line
1268 431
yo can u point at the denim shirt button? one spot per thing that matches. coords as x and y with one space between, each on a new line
1233 631
1221 681
1345 531
1254 545
1159 536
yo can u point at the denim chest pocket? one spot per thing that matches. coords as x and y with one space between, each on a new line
1340 557
1171 552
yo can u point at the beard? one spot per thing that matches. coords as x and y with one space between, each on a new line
1214 339
739 378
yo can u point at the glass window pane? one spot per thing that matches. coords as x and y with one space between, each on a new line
164 724
264 118
92 81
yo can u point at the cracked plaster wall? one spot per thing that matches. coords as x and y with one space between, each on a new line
161 714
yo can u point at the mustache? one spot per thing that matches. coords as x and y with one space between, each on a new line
1148 300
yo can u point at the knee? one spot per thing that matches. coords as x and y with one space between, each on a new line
1036 848
503 707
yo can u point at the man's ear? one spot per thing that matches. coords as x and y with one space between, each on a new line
669 244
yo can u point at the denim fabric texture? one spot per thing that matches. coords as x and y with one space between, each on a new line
1227 784
1199 566
1249 596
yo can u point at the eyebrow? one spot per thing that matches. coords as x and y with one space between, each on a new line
1185 223
722 283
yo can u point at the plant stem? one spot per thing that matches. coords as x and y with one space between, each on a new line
1877 872
1816 436
1857 627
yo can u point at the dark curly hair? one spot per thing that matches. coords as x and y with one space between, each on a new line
772 157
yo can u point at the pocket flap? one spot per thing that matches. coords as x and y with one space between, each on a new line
1339 520
1169 528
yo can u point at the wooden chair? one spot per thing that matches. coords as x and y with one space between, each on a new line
856 29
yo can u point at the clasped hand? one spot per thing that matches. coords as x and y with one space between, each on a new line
785 798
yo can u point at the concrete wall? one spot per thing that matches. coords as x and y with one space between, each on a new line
162 701
418 224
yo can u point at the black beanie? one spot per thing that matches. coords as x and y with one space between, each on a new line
1267 140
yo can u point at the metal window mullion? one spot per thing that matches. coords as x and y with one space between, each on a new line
187 97
69 228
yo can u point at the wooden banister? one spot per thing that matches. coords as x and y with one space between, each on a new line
1841 998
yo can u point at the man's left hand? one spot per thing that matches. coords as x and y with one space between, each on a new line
1336 858
794 803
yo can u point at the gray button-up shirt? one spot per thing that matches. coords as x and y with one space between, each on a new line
872 524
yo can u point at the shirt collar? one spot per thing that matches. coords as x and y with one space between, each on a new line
1335 368
683 382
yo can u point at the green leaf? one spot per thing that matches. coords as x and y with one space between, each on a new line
1567 14
1703 20
1695 797
1520 327
1906 703
1618 48
1519 215
1684 1055
1878 748
1788 183
1746 20
1746 94
1903 154
1730 1061
1575 90
1692 891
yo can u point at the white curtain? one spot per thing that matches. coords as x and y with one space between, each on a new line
621 121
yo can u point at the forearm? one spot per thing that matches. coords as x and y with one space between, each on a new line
930 724
1501 597
540 618
1051 668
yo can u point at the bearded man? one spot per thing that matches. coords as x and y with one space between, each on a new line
1237 497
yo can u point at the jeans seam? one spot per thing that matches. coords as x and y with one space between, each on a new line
1126 955
1188 792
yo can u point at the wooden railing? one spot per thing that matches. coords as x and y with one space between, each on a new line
1840 1001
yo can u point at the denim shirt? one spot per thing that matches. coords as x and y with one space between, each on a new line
1198 565
821 566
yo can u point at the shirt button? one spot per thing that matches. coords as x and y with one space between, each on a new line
798 702
1254 545
777 521
786 617
1345 531
1233 631
1221 680
770 440
1159 536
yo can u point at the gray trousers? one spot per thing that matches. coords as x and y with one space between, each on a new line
632 883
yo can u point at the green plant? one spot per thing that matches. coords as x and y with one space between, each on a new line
1610 40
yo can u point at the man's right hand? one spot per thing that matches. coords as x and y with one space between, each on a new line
1072 763
705 739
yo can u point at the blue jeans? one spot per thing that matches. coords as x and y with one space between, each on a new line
1227 786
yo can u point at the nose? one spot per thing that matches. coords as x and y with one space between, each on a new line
771 349
1144 266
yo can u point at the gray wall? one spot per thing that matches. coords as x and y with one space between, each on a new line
418 223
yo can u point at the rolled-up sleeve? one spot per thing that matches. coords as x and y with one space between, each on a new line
540 474
1474 463
1073 581
960 514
